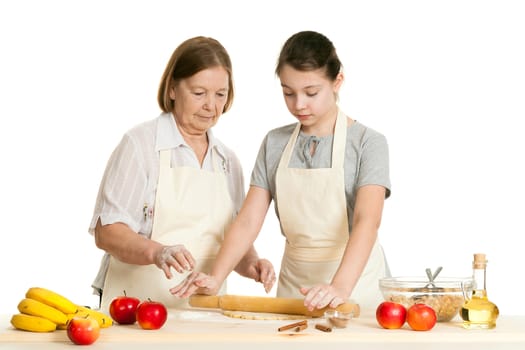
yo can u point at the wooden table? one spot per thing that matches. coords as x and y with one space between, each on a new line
201 329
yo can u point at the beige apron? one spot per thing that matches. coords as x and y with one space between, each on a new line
313 216
193 207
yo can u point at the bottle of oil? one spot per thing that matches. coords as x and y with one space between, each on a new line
478 312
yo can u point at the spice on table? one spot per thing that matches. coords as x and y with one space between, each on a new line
323 327
300 328
339 322
294 325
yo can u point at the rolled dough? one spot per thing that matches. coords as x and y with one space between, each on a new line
245 315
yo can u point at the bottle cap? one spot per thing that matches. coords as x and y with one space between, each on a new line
480 261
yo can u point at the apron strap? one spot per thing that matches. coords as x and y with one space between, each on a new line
215 160
339 146
287 153
165 159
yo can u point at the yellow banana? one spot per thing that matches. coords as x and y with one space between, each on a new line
36 308
52 299
70 317
32 323
102 319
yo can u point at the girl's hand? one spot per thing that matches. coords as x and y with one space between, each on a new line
259 270
265 274
322 295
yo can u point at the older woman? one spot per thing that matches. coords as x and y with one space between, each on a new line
171 188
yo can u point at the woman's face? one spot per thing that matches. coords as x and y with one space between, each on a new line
200 100
309 95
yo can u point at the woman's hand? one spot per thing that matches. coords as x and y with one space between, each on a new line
196 283
322 295
176 256
262 271
259 270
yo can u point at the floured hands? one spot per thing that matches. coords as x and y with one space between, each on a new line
176 256
322 295
196 283
262 271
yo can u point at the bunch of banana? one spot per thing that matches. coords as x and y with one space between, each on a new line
43 310
102 319
36 308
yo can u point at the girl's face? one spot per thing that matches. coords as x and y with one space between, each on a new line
200 100
310 96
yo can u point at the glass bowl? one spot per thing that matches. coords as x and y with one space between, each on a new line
338 319
445 295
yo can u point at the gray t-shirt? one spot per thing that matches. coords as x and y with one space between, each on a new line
366 159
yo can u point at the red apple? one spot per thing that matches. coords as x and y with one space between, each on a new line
123 309
391 315
151 314
83 330
421 317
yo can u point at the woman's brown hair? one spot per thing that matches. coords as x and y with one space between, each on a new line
189 58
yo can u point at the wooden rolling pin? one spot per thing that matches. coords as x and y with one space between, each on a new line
265 304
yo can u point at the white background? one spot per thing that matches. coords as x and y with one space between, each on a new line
443 80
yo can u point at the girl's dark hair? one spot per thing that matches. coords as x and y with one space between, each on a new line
307 51
189 58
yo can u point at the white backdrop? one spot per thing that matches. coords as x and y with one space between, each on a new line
443 80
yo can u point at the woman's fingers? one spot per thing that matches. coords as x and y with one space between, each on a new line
183 287
267 274
195 283
321 296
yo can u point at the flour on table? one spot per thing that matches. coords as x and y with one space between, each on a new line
245 315
194 315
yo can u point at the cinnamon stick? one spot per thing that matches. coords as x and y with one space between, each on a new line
323 327
300 328
293 325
